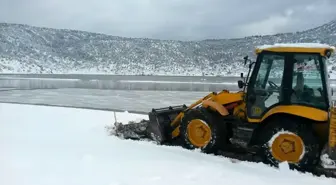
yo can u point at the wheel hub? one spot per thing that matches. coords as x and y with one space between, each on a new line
287 147
199 133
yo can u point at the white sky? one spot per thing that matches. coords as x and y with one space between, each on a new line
172 19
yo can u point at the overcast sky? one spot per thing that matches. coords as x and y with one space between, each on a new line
172 19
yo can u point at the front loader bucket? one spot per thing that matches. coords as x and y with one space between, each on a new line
159 127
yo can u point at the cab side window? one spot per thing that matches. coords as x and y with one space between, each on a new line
307 81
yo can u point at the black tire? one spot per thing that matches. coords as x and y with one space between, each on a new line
217 126
302 129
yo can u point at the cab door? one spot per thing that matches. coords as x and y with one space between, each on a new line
265 86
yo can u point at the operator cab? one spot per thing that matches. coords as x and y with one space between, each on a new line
288 74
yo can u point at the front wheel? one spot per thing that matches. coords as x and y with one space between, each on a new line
203 129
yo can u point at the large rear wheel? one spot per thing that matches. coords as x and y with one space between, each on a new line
203 129
290 140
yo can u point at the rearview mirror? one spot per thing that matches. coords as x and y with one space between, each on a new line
241 84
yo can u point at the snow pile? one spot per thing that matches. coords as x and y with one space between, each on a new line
327 162
63 146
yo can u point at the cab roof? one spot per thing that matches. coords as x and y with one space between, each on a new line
297 47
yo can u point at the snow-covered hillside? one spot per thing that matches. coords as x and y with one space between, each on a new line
27 49
64 146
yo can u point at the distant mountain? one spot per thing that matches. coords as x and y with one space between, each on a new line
28 49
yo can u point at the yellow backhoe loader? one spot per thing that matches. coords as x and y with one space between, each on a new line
284 112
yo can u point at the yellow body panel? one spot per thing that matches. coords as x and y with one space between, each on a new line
240 110
332 131
216 107
227 97
179 116
298 49
297 110
222 98
176 132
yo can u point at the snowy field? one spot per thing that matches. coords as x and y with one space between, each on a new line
64 146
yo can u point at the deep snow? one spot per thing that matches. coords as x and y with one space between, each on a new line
64 146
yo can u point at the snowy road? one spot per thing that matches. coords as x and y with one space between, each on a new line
63 146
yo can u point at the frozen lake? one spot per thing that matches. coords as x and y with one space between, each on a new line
132 101
115 82
124 77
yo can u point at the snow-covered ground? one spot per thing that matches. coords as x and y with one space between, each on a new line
64 146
